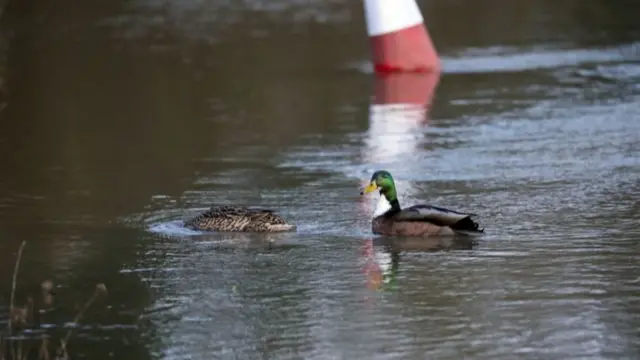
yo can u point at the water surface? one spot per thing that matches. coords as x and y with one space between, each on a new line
122 119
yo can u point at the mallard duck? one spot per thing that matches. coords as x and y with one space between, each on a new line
238 218
417 220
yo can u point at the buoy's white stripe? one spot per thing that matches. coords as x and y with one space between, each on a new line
386 16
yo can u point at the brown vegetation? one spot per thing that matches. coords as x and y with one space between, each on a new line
21 317
3 104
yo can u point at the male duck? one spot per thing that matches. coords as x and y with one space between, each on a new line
238 218
418 220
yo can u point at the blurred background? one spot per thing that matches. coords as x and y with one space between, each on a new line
121 118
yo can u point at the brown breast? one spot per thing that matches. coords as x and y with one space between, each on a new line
385 226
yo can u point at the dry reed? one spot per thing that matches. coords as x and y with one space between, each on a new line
23 317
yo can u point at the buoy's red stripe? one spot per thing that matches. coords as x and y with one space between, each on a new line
408 49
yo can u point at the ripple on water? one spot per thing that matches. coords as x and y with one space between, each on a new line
172 228
554 182
504 59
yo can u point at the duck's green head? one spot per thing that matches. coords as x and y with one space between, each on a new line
383 181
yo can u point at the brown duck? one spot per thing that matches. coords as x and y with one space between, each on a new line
417 220
238 218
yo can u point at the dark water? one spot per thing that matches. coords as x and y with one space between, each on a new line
123 118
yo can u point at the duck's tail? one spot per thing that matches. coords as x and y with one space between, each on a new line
467 226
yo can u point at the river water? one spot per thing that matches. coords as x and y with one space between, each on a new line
124 118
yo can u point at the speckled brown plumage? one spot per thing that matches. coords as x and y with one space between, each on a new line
236 218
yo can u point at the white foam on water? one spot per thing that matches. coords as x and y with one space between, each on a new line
172 228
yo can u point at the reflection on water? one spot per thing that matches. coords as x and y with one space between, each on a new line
124 119
397 114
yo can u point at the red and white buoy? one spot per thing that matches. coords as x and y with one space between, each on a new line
399 38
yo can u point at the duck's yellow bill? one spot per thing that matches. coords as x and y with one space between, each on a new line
369 188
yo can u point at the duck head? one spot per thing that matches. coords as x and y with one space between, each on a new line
382 181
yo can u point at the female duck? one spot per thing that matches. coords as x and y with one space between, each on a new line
417 220
237 218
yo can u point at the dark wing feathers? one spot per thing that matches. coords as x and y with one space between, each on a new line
458 221
438 215
443 210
